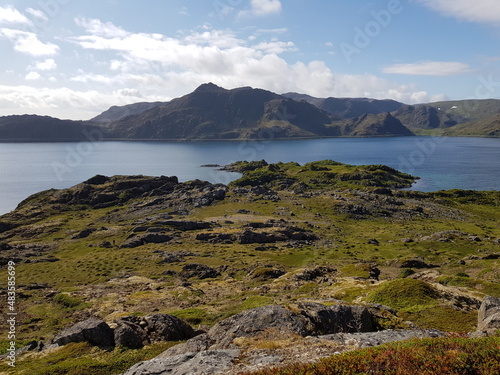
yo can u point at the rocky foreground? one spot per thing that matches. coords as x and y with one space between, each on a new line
289 263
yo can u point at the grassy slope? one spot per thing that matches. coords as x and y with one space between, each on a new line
116 282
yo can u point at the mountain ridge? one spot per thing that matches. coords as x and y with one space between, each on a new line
211 112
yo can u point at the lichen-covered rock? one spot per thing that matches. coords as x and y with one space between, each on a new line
251 322
164 327
489 314
130 335
200 271
338 318
208 362
94 331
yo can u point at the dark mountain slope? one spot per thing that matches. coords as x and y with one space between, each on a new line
46 129
116 113
488 127
382 124
343 108
211 112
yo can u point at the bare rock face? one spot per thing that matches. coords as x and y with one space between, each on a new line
135 332
489 314
215 352
251 322
199 271
206 362
130 335
93 331
338 318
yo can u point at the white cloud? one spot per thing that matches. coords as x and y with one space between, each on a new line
48 64
273 31
429 68
150 67
371 86
37 14
10 15
184 11
32 76
97 27
28 43
481 11
262 8
65 102
276 47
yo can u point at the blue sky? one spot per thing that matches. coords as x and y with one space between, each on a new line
74 59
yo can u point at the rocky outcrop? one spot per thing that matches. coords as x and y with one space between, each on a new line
143 239
93 331
217 351
200 271
368 339
251 322
135 332
206 362
249 236
303 319
338 318
489 314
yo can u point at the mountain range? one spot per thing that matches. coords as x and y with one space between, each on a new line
213 113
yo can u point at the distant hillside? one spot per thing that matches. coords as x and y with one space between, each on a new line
117 113
488 127
44 129
378 125
344 108
441 115
425 117
212 112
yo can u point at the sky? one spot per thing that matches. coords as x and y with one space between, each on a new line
74 59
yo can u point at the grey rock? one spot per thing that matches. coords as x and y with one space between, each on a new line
84 233
251 322
488 316
93 331
313 273
200 271
208 362
416 263
368 339
163 327
130 335
338 318
196 344
139 240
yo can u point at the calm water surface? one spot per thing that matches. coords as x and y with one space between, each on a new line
442 163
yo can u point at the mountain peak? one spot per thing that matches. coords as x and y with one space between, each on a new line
209 87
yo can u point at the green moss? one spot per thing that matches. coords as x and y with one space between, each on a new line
406 272
193 315
443 318
84 359
68 301
357 270
405 294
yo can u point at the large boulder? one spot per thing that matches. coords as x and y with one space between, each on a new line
135 332
163 327
130 334
338 318
202 363
93 331
254 321
488 316
200 271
